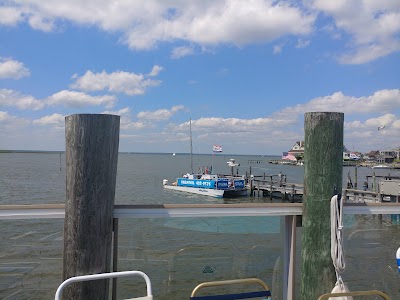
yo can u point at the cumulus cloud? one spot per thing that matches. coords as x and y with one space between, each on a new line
155 71
79 99
10 16
160 114
125 117
180 52
55 119
4 116
10 125
117 82
13 69
13 98
144 25
233 22
383 101
373 27
231 125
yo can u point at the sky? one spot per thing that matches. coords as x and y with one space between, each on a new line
244 72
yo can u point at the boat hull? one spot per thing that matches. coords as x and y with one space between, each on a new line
208 192
380 167
200 191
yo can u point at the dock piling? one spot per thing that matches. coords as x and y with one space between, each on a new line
91 169
323 155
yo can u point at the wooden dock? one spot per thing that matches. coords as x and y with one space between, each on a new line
293 192
276 189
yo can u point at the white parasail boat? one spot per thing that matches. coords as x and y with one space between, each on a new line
209 185
205 183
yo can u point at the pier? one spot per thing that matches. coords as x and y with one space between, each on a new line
276 188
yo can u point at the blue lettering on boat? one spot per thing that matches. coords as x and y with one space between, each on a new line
208 184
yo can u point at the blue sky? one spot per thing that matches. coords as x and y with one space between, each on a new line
245 72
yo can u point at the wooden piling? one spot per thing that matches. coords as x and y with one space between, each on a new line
323 153
91 169
355 177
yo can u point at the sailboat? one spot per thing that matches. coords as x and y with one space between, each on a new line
206 183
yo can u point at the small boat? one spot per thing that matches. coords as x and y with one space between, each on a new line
209 185
232 163
380 167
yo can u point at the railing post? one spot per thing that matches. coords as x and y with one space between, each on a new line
289 255
323 132
91 169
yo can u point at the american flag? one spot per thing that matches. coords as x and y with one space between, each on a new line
217 148
288 156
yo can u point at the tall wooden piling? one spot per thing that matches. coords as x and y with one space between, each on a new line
91 169
323 153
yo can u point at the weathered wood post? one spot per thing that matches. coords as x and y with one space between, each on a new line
355 177
323 132
271 187
91 169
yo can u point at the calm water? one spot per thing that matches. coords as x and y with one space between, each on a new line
176 253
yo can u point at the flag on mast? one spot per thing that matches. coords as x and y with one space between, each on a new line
217 148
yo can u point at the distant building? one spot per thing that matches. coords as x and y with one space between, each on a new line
297 149
389 156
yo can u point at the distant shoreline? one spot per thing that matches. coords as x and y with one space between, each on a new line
31 151
124 152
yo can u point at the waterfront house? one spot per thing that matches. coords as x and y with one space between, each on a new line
297 149
389 156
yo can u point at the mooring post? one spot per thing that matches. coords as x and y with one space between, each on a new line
355 177
323 140
91 168
271 187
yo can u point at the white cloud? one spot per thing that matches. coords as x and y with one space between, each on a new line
180 52
385 120
10 126
373 26
383 101
125 117
12 69
40 23
5 116
12 98
155 71
79 99
116 82
286 126
234 125
10 16
55 119
18 133
160 114
144 24
122 112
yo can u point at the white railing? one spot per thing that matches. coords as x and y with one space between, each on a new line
47 211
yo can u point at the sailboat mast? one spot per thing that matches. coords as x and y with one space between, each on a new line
191 146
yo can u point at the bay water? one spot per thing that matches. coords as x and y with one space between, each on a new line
177 253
